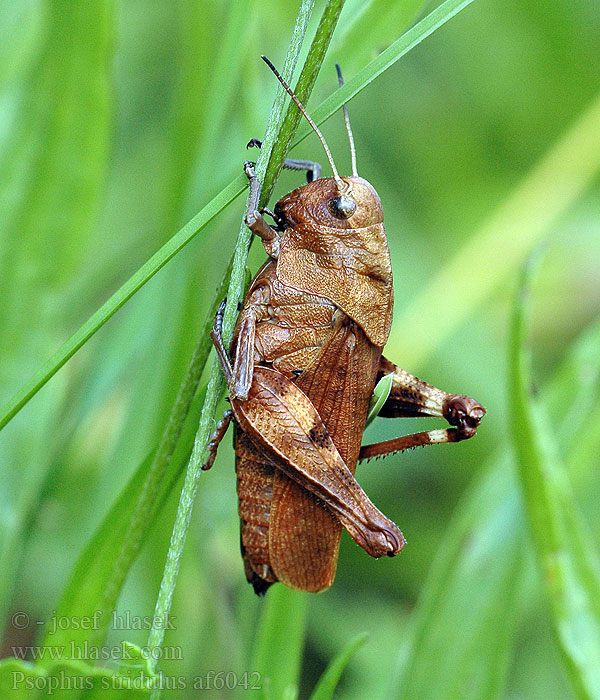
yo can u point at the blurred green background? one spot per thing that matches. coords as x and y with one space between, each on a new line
118 122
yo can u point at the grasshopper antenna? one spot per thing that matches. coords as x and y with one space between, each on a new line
348 127
308 119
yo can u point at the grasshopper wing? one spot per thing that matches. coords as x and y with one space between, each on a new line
283 423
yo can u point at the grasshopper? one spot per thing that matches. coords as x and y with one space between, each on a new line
306 356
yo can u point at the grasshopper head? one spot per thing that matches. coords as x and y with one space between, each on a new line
346 203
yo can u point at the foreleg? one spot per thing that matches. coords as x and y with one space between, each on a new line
254 219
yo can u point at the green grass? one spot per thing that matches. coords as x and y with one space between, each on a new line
121 122
565 549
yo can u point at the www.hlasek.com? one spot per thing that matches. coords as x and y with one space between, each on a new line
84 651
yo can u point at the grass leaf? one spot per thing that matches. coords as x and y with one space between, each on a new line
473 588
326 686
564 549
380 396
235 290
53 163
553 185
375 24
476 582
93 569
386 59
123 294
279 642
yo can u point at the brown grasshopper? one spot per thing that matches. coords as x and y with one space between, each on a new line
307 354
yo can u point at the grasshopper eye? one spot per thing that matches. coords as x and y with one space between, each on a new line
342 206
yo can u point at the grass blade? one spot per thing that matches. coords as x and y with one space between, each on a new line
380 396
488 535
326 686
275 127
374 24
564 549
123 294
94 566
548 191
137 513
53 162
279 643
460 606
411 38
